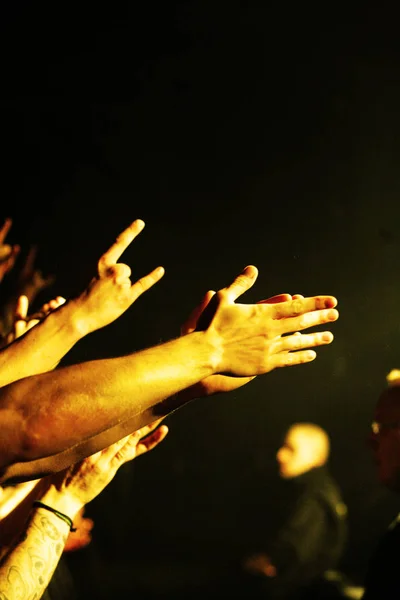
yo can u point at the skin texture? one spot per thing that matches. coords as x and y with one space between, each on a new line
44 415
31 558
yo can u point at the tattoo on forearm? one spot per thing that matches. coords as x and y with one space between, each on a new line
26 569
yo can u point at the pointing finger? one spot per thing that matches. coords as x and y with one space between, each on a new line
112 255
4 229
242 282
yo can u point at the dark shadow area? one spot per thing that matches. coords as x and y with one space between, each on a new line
242 133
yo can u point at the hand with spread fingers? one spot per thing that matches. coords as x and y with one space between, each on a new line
8 252
81 483
273 328
24 322
111 292
30 279
225 383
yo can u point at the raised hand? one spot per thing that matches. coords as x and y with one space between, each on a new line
82 482
257 338
23 322
221 383
8 252
30 280
213 384
111 292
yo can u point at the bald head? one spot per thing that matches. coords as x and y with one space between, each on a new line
305 447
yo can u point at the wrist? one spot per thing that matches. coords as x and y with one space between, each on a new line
212 350
63 502
76 319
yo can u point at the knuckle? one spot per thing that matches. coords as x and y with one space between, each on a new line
297 306
304 321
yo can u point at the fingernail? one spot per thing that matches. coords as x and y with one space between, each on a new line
327 336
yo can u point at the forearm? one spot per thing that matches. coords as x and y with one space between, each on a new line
23 471
72 404
42 347
26 570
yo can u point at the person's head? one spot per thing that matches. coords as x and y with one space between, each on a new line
305 447
385 435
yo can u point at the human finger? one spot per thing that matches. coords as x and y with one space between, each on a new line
310 319
112 255
21 309
4 229
124 450
31 323
145 283
47 308
121 273
242 283
276 299
152 440
143 431
299 341
302 305
191 322
6 251
28 265
56 302
113 450
290 359
8 255
20 327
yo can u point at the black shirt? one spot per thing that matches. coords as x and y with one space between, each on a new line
382 581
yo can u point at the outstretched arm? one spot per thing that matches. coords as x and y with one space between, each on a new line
78 402
107 297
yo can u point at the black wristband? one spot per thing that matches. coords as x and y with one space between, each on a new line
59 514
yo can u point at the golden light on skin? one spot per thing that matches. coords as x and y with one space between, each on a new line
393 378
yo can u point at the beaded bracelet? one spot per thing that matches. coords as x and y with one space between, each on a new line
59 514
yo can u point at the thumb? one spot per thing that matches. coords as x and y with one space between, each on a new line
191 322
242 282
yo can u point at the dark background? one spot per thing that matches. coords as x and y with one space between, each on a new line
242 133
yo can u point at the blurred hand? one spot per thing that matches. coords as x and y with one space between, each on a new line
259 564
30 280
22 322
8 253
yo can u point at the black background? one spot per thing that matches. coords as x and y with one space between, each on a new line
242 133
